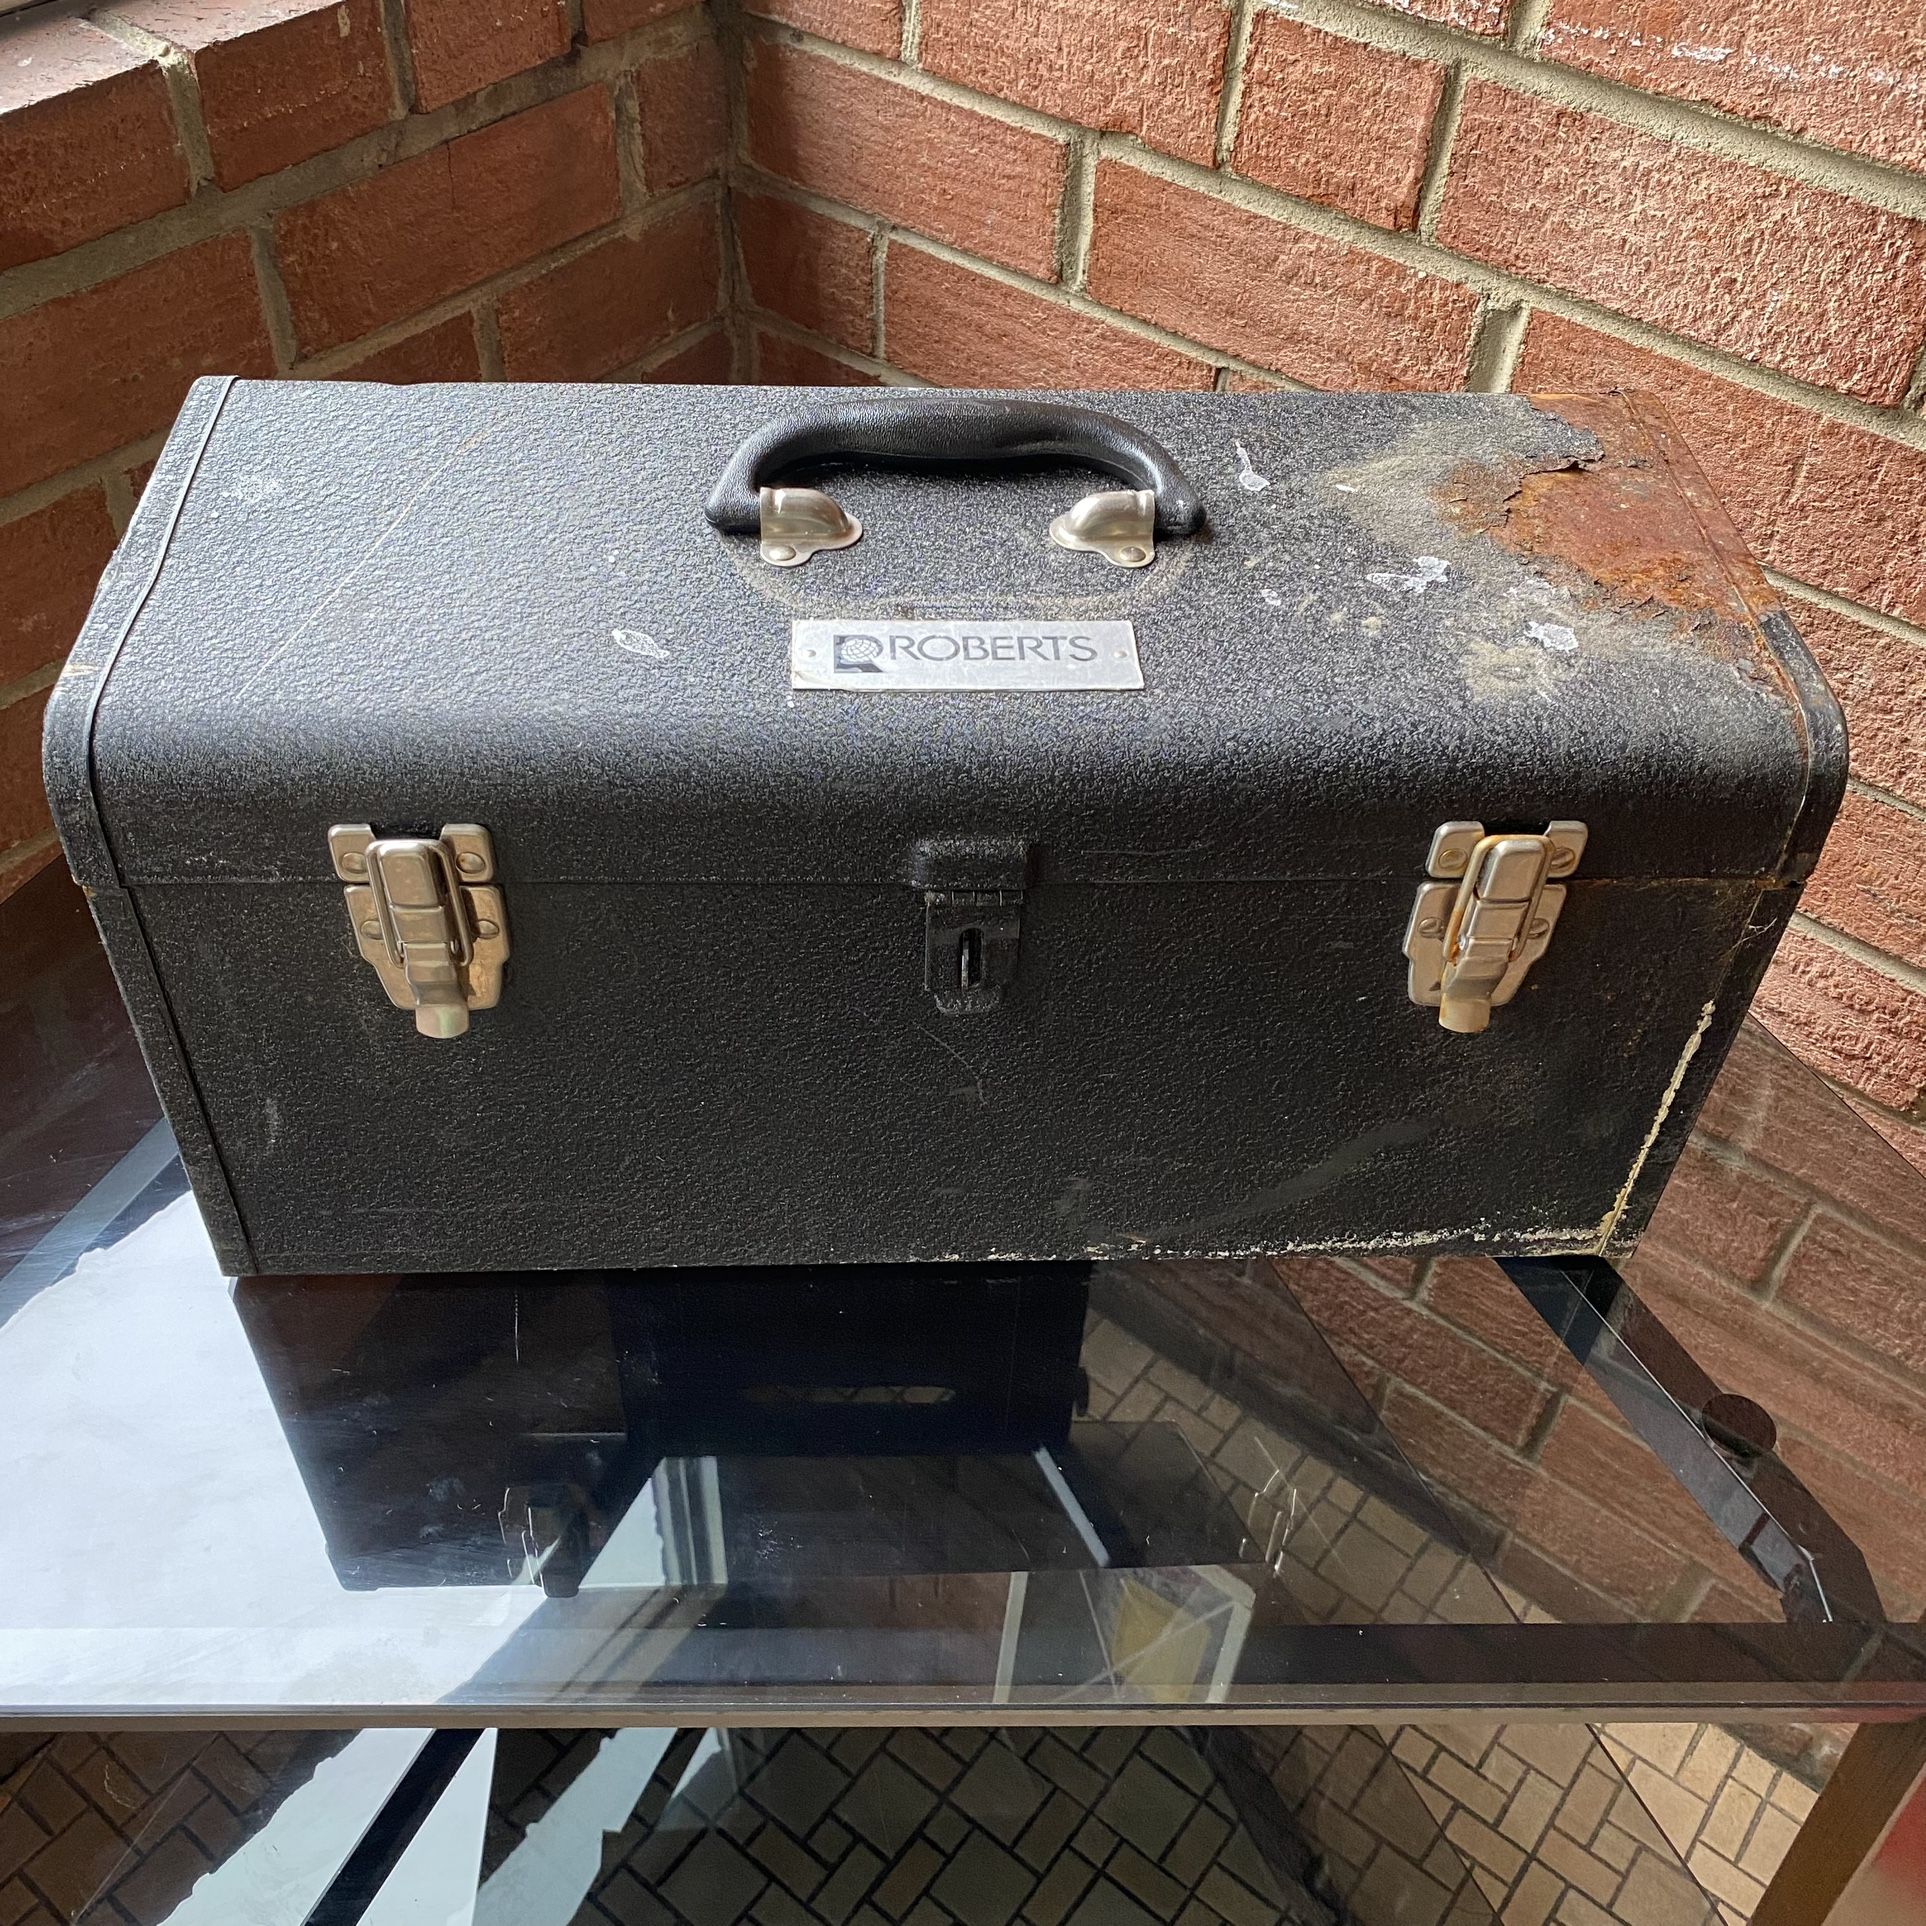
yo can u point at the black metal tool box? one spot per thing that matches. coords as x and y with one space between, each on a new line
546 826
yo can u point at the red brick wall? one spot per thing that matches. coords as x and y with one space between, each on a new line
1720 200
396 190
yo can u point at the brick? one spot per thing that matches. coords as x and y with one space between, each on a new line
1457 1456
49 564
783 363
1336 121
93 371
953 174
87 140
459 47
610 306
23 803
1421 1349
684 104
1861 1288
1871 880
1835 505
961 329
1909 1139
445 352
1730 1217
1152 70
279 82
604 19
1833 70
1847 1019
386 248
806 267
876 26
1476 1296
701 363
1764 267
1297 302
1812 1388
1880 680
1770 1106
1889 1526
1605 1467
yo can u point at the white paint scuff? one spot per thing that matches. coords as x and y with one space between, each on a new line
1552 635
1427 571
637 643
1248 479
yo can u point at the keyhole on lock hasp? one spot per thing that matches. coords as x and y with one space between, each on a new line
969 960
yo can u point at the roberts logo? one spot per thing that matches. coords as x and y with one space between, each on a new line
870 653
860 652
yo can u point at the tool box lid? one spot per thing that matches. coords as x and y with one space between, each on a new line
505 605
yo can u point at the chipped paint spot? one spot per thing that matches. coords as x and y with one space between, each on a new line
1248 479
1344 488
637 643
1272 597
1427 571
1552 635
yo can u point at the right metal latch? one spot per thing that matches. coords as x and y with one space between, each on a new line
427 917
1488 918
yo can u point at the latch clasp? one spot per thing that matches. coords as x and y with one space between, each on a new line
427 917
972 917
1489 917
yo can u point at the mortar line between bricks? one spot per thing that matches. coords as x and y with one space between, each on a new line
1230 97
727 18
24 686
33 851
1075 302
879 241
276 309
1892 625
217 211
1858 785
869 364
1731 1156
1775 1273
488 340
1526 25
1670 119
1497 340
183 90
1915 395
1076 212
1444 127
644 365
1890 967
119 492
393 16
910 44
1431 258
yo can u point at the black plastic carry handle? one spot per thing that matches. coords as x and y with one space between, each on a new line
949 431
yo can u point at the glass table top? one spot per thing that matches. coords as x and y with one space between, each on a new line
1317 1490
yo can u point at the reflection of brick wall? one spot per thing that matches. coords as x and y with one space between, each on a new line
430 191
107 1828
1788 1262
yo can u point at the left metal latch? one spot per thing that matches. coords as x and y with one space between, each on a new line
428 918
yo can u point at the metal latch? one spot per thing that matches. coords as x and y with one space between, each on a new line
970 943
972 917
1474 933
427 917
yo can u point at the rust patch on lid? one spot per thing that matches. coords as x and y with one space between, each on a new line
1634 528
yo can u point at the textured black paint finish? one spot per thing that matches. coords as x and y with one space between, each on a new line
505 605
